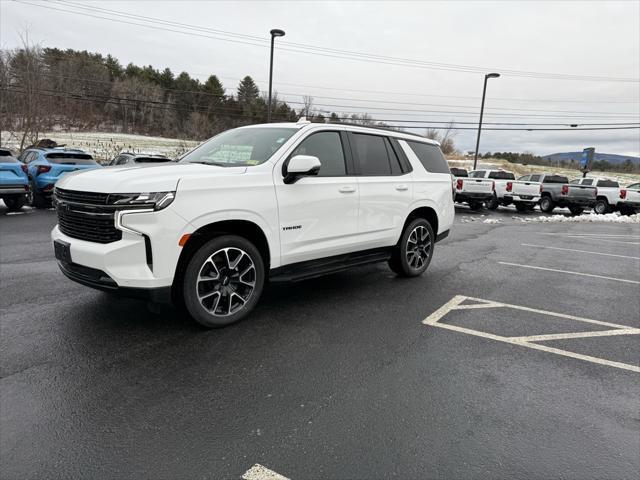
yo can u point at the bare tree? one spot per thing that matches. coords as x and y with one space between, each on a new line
444 137
307 109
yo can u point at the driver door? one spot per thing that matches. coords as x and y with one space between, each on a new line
319 213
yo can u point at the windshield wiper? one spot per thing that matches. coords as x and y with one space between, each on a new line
215 164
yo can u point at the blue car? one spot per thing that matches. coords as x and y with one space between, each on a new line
46 165
14 183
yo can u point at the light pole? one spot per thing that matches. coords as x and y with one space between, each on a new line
274 33
484 91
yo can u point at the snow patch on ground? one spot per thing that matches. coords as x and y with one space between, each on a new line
491 220
587 218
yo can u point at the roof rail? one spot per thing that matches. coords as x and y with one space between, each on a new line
375 127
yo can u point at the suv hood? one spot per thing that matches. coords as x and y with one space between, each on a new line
162 177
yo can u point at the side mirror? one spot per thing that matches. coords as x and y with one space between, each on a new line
300 166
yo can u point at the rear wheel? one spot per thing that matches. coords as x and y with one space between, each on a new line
493 203
412 255
523 207
223 281
547 205
15 202
627 211
576 210
601 207
35 199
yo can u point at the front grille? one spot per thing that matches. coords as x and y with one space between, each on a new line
91 198
85 216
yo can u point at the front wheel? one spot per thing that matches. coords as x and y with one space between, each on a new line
523 207
223 281
412 255
15 202
547 205
601 207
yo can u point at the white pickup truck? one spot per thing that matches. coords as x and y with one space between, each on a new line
629 201
608 193
473 191
523 194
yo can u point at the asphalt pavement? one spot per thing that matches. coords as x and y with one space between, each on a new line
514 356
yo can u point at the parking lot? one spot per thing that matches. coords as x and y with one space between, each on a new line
516 355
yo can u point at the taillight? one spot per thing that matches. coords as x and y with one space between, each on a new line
565 189
595 192
43 168
26 188
623 194
24 168
459 184
541 189
493 186
509 186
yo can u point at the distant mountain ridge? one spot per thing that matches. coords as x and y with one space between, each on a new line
612 158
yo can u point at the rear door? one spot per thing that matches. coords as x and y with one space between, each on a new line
319 214
386 189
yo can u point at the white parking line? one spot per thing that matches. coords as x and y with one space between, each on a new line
259 472
602 240
590 234
571 273
433 320
579 251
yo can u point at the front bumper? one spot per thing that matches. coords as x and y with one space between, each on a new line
99 280
144 258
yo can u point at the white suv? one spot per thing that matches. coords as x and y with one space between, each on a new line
272 202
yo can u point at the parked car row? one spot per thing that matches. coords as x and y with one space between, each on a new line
30 177
492 188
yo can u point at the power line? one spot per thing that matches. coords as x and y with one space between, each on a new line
153 104
314 50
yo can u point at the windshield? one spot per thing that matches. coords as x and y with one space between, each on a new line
240 147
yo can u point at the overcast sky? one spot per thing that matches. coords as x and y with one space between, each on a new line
575 38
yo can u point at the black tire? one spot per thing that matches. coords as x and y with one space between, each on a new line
627 211
35 199
492 204
523 207
602 206
15 202
413 254
547 204
475 205
206 300
576 210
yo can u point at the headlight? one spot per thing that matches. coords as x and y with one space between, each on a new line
155 200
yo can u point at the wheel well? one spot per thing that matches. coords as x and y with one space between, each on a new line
242 228
545 194
601 197
429 214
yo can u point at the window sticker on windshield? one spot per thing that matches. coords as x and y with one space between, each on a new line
252 162
231 154
280 140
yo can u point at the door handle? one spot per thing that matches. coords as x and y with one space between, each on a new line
347 189
402 188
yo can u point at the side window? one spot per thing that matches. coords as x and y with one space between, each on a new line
31 156
430 157
526 178
535 178
576 181
372 155
396 168
608 183
327 146
587 181
123 160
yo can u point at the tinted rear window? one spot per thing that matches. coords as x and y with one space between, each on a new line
555 179
430 157
587 181
607 183
502 175
5 153
71 158
634 185
372 154
459 172
478 174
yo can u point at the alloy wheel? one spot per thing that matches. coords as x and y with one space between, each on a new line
226 282
418 247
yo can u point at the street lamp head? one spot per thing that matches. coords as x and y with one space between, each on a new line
276 32
492 75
